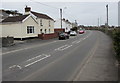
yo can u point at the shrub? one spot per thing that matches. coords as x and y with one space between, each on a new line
116 38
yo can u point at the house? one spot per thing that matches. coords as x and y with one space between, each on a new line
3 15
6 13
24 26
75 24
45 22
31 24
66 25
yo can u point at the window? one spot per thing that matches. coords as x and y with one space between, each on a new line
66 28
49 23
45 30
49 30
30 29
41 22
41 30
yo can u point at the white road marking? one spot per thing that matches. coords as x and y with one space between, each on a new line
34 58
14 66
79 41
19 66
27 48
61 47
37 61
66 47
74 42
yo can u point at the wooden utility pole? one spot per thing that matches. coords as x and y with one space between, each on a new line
107 14
98 22
61 17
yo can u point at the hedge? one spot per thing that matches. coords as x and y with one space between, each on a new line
114 33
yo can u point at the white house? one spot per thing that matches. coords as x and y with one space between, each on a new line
19 27
66 25
45 23
29 25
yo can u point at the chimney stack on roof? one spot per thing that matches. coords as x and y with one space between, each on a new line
27 10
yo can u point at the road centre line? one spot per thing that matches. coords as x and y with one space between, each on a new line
37 61
33 46
61 47
66 47
74 42
34 58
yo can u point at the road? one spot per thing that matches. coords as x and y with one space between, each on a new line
58 60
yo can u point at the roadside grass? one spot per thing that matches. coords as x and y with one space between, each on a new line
114 33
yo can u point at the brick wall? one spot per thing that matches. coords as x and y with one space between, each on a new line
47 36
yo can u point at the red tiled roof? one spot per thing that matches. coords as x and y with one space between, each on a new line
39 15
15 18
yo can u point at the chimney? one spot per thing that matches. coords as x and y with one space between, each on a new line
27 10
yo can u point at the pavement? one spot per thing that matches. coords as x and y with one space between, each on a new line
102 63
85 57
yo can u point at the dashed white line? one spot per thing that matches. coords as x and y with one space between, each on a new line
74 42
37 61
66 47
61 47
34 58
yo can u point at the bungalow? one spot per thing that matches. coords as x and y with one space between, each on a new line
66 25
31 24
19 27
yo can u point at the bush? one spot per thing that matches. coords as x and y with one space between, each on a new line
115 35
116 38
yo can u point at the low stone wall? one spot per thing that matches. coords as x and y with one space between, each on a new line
7 41
47 36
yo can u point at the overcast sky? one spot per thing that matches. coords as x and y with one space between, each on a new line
86 13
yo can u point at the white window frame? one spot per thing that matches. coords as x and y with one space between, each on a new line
41 22
49 23
30 29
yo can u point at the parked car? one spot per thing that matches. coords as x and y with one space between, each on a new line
73 33
63 36
81 31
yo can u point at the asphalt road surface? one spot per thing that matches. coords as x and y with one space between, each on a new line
57 60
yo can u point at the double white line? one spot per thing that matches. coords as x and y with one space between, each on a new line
46 56
30 61
63 47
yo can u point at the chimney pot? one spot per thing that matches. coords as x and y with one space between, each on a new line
27 9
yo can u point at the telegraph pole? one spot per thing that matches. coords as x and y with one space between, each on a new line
61 17
98 22
107 14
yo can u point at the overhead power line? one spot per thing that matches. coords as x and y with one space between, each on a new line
44 4
68 14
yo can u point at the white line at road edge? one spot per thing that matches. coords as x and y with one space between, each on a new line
37 61
26 48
